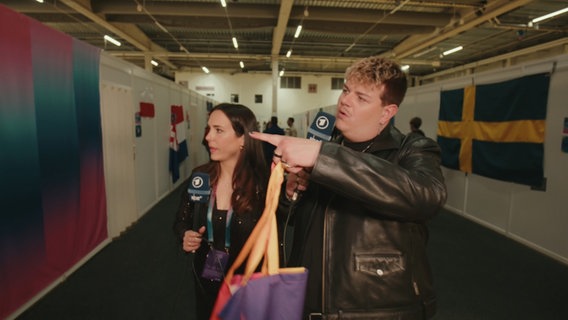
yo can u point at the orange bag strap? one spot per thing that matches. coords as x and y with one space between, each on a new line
263 240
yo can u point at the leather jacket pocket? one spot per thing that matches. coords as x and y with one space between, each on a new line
380 264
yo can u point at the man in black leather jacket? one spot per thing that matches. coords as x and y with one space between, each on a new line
365 198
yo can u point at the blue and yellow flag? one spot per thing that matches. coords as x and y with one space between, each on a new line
496 130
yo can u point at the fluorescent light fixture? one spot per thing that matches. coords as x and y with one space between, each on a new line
40 1
205 69
112 40
223 3
235 43
154 63
298 30
419 54
281 73
405 67
289 53
550 15
242 64
456 49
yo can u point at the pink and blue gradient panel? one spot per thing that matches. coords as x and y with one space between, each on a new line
52 198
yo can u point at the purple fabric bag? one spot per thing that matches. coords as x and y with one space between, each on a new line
279 296
273 293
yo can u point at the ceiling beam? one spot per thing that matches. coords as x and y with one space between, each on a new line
417 43
280 29
187 9
503 57
218 24
237 57
138 39
184 10
271 12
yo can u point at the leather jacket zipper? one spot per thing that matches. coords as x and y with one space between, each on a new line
413 267
323 260
324 255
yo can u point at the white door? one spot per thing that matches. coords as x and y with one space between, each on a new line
119 151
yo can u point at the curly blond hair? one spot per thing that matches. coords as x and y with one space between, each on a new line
380 72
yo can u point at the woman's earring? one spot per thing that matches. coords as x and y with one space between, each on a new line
242 147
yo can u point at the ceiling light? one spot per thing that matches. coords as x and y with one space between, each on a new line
289 53
550 15
112 40
223 3
235 44
419 54
405 67
242 64
298 30
205 69
154 63
456 49
281 73
40 1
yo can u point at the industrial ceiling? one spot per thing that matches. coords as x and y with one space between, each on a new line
186 35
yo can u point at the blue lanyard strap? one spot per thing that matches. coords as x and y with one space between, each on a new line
210 222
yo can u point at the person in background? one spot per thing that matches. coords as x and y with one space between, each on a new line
415 124
363 205
239 177
291 130
271 128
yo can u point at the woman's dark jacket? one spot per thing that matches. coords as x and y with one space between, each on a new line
241 226
360 228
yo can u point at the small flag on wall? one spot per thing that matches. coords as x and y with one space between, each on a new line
496 130
178 144
147 109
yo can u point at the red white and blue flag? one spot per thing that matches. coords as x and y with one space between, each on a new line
178 144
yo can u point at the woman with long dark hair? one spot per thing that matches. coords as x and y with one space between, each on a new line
239 175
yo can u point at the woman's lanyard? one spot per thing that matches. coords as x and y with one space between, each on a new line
210 222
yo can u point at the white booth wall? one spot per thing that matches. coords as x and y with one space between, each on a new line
538 219
137 168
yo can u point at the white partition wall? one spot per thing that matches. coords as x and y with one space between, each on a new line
538 219
137 166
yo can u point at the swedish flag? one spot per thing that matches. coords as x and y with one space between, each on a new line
496 130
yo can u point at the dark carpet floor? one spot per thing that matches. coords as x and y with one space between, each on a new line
478 274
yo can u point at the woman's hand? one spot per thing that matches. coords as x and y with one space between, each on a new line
192 240
295 183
